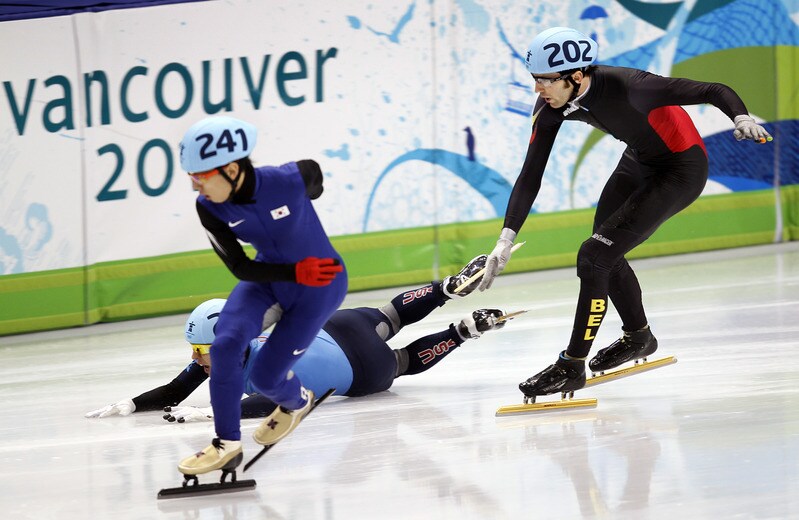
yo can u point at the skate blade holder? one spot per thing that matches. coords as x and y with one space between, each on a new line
192 488
547 406
637 368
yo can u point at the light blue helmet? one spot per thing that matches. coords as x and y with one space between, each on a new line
560 49
216 141
202 322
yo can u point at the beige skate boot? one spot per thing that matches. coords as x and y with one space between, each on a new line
221 454
281 422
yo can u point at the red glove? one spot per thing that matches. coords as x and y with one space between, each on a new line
317 272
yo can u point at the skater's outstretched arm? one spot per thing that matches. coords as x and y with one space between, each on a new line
156 399
173 392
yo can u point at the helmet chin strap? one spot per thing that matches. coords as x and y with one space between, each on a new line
576 89
572 104
231 181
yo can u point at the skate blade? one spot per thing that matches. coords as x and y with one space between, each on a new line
629 371
206 489
563 404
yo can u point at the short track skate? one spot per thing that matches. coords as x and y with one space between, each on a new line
567 401
192 488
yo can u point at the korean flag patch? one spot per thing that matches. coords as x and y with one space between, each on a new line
281 212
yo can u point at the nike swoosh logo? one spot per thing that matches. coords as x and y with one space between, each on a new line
297 352
234 224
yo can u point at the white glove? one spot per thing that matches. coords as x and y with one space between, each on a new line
746 128
183 414
498 258
124 407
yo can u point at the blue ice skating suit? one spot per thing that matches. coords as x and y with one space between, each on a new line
322 367
281 223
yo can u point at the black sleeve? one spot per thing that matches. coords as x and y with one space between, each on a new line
256 405
312 175
649 91
525 190
174 392
227 246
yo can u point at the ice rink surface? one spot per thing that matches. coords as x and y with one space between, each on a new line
714 436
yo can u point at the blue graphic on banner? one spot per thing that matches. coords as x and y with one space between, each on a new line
520 96
487 182
748 166
26 244
393 36
730 27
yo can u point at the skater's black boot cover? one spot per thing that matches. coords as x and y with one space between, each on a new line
631 346
450 283
565 375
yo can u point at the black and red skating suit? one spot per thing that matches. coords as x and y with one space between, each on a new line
662 171
636 107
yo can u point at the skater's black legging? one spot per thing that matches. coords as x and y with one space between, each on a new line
636 200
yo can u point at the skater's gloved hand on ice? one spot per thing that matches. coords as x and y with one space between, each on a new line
747 128
124 407
498 258
184 414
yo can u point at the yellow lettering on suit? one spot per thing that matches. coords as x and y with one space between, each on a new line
594 320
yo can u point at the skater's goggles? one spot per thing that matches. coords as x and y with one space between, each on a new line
545 82
202 177
201 348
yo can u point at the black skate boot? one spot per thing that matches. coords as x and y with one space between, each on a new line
631 346
565 376
481 320
451 283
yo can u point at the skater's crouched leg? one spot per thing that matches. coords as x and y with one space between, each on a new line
294 399
595 258
226 356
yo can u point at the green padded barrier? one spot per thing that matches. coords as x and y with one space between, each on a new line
177 283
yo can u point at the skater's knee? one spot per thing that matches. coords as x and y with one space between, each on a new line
588 259
596 258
